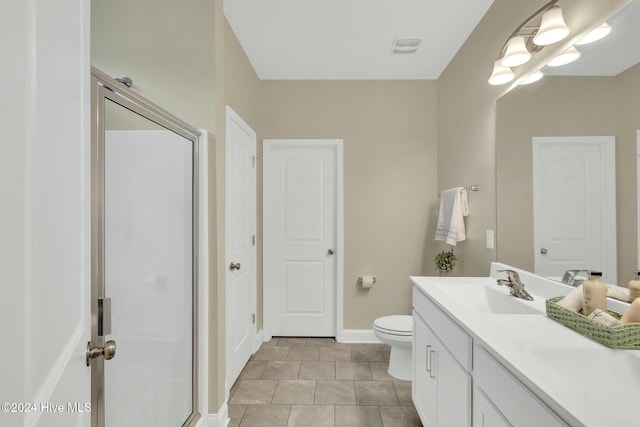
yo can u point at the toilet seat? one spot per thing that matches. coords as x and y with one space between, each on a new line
399 325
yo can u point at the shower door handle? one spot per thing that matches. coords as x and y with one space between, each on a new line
108 351
234 266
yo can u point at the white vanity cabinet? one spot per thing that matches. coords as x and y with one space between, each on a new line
487 359
516 402
485 414
442 385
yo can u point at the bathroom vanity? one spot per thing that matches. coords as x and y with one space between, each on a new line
485 358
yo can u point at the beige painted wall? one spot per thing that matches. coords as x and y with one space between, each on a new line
389 131
237 85
166 48
467 113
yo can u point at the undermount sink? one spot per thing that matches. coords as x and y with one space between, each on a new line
491 300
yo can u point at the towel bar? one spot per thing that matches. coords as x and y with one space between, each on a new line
474 187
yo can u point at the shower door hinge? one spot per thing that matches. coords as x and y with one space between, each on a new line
253 161
253 319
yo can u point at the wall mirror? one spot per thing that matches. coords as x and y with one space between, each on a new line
598 95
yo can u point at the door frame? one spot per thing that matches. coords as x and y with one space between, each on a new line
268 146
231 115
608 203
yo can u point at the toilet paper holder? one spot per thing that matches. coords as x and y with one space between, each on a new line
361 281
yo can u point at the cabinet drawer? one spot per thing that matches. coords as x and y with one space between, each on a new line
452 336
521 407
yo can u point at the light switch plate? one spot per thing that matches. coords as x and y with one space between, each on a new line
490 241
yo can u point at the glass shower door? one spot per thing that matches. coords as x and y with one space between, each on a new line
148 269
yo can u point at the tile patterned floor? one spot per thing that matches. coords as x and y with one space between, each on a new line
316 382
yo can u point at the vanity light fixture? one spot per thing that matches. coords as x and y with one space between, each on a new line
501 74
552 28
596 34
516 52
565 57
544 27
532 78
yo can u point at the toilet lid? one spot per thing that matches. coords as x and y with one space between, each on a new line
398 325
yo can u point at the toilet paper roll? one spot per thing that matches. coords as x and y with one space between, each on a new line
368 281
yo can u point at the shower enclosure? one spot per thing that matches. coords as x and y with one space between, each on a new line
143 349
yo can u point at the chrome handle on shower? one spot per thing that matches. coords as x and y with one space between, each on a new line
234 266
108 351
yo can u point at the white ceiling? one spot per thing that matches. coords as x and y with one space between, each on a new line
351 39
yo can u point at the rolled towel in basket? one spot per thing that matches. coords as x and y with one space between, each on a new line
573 300
633 313
604 318
617 292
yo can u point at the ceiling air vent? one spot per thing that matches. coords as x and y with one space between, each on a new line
405 44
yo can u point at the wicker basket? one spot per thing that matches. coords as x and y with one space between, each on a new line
623 336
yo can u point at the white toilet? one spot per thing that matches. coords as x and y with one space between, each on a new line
397 331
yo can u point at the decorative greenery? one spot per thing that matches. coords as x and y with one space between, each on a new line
445 261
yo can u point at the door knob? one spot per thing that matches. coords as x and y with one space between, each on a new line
330 252
543 251
234 266
108 351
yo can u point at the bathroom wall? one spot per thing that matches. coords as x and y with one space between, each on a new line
165 47
389 132
467 113
237 85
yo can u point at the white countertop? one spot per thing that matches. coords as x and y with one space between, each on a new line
584 382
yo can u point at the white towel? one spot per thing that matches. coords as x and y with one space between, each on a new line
453 207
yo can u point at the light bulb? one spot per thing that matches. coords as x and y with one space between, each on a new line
516 53
500 74
552 28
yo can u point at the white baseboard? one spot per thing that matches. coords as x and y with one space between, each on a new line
359 336
221 419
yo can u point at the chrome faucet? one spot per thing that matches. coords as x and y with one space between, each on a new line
513 282
571 277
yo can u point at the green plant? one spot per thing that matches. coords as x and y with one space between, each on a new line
445 260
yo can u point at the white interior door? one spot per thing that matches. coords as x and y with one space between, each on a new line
240 237
45 214
574 205
302 247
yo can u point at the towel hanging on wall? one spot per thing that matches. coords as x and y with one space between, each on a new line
453 208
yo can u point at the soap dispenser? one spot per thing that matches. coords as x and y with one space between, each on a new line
595 293
634 286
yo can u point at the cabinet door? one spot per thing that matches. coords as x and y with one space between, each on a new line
484 413
454 389
424 386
